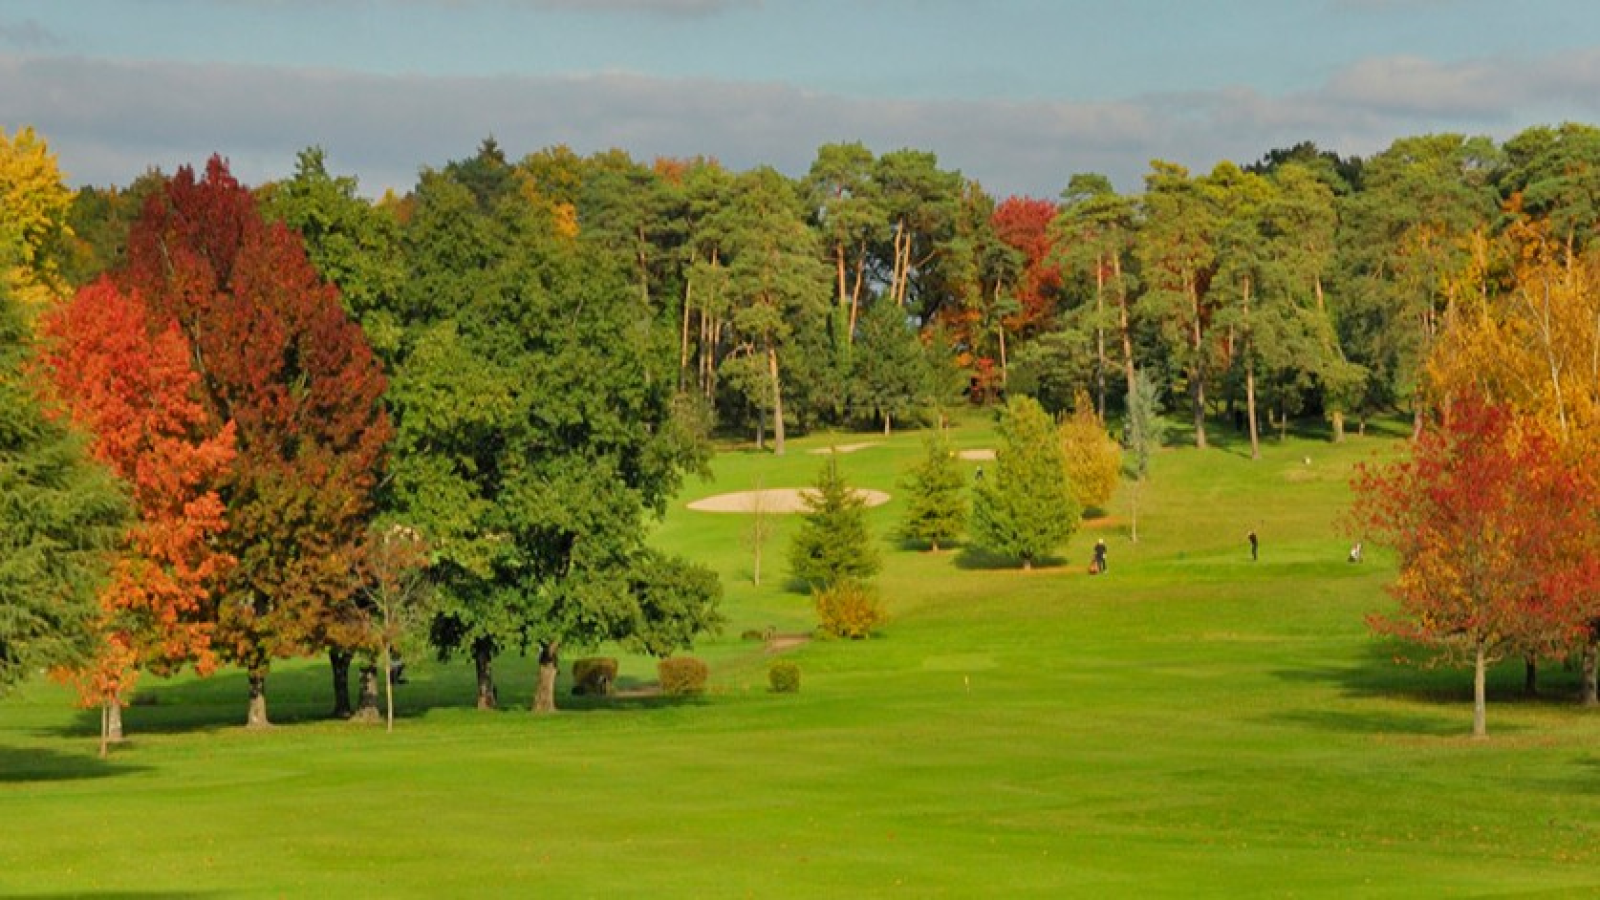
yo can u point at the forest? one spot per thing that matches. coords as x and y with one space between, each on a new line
253 394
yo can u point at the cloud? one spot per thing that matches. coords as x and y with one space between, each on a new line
108 122
27 35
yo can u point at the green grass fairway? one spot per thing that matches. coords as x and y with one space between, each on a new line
1189 724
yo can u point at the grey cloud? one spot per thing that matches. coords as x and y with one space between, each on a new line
27 34
110 121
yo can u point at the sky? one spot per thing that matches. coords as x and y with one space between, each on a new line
1017 94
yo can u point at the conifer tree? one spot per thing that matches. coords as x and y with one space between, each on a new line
1026 509
936 496
60 516
833 542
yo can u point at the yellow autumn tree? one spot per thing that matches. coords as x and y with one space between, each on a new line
1093 461
1522 329
33 218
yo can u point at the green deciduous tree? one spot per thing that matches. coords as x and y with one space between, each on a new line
1025 508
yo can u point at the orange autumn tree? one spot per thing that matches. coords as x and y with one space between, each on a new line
1493 526
279 358
129 385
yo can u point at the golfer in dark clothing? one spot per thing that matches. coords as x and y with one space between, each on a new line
1252 537
1099 556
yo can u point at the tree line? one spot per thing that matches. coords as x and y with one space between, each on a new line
520 359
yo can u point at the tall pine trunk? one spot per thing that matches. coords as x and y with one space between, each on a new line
1250 381
1123 324
777 400
1100 338
544 697
1197 385
339 662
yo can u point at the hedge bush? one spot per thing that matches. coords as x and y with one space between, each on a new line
682 675
784 677
595 676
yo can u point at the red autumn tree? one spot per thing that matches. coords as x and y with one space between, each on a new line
1023 223
1495 531
127 382
278 356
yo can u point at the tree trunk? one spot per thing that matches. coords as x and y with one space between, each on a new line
114 720
1591 651
339 661
1338 427
105 730
387 664
1027 564
1133 513
886 425
1197 388
1100 337
1250 379
777 401
257 717
1122 312
367 702
683 348
544 697
483 659
1480 725
844 291
1530 677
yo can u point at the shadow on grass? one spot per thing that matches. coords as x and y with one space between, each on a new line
304 696
117 894
20 765
1377 674
971 556
1384 722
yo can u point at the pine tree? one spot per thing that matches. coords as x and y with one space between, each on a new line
833 542
60 516
1026 509
1145 433
936 501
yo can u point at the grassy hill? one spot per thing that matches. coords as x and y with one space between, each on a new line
1189 724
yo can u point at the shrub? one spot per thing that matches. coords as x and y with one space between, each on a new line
594 676
848 609
682 675
784 677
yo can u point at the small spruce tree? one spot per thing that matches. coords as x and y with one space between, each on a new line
833 542
936 495
1026 508
1145 433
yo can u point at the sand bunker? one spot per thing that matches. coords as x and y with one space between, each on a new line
772 500
845 448
976 454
